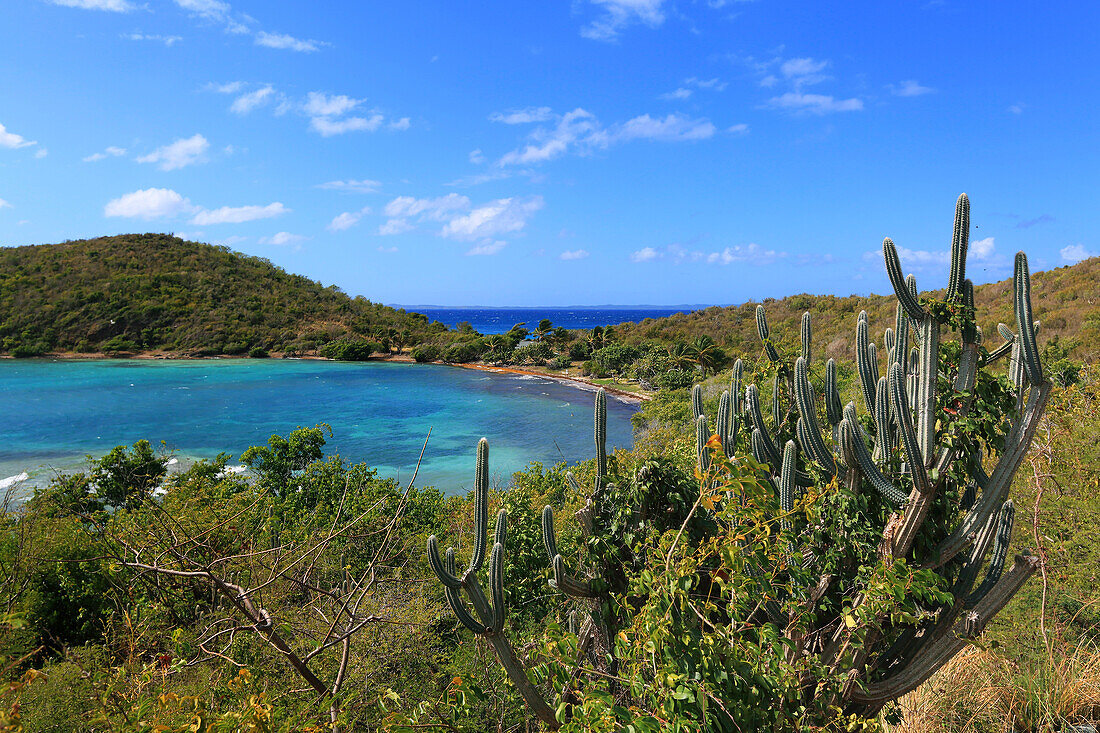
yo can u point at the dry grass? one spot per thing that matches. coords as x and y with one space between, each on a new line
980 691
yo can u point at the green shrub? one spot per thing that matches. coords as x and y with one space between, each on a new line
424 353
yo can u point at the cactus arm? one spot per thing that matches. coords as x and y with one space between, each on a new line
702 435
752 400
724 424
833 409
888 343
569 584
496 586
786 482
736 402
804 397
807 336
901 336
996 487
900 538
1029 350
1000 351
853 447
481 504
446 577
777 400
898 281
884 445
863 362
759 447
549 539
927 370
1000 553
763 331
696 401
600 434
971 333
959 240
939 653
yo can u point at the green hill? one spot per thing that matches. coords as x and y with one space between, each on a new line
150 292
1065 299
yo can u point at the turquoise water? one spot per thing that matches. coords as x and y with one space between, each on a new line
57 412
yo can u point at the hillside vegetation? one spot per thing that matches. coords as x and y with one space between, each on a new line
145 292
1065 299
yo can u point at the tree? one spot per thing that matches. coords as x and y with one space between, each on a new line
125 477
277 463
542 330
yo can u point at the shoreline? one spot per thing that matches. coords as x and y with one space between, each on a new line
577 382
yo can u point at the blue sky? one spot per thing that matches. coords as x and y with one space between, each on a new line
585 152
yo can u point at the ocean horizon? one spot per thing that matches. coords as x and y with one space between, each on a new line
490 320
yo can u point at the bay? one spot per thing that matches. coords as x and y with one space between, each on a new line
56 412
490 321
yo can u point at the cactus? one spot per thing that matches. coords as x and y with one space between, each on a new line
906 465
490 612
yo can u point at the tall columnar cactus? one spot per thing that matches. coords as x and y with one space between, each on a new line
907 453
911 462
487 620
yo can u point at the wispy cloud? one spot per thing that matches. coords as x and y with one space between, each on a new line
179 154
1041 219
4 204
113 6
909 88
12 141
573 254
918 260
616 15
364 185
483 224
245 103
238 214
1075 253
818 104
579 131
282 239
1017 109
523 116
493 219
166 40
348 219
749 254
287 42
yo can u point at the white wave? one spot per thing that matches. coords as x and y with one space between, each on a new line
7 483
230 470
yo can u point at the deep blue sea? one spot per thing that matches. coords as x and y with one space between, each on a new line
56 412
498 320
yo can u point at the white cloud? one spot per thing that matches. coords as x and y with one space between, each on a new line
617 14
41 153
113 6
229 241
110 152
319 104
681 93
282 238
909 88
394 226
477 157
981 249
245 103
1016 109
574 254
645 254
523 116
740 128
818 104
752 254
437 209
4 204
672 128
228 88
238 214
347 220
352 186
802 68
716 84
166 40
487 247
493 219
581 132
401 124
329 127
1075 253
215 11
290 43
149 203
179 154
13 141
386 249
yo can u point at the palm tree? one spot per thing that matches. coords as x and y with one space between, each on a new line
542 330
682 356
708 355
